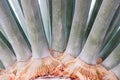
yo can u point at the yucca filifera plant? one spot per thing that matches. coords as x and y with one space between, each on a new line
54 39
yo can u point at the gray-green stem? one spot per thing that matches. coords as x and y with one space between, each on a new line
35 28
100 26
19 14
44 8
74 45
6 56
113 59
58 30
11 29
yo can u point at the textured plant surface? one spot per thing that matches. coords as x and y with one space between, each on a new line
59 39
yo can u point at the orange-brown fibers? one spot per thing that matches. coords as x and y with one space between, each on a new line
50 67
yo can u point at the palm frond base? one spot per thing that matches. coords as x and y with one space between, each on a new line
37 68
49 68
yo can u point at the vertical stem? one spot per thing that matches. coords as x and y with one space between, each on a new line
74 45
11 29
19 14
113 59
114 41
6 56
50 10
113 27
44 8
5 40
35 28
100 26
68 11
92 19
58 30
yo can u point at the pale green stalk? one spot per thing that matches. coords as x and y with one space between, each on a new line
109 47
5 40
74 45
18 13
113 59
112 38
6 56
35 28
100 26
11 29
113 26
44 8
68 12
94 8
58 30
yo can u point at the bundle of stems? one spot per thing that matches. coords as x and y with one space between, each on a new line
59 39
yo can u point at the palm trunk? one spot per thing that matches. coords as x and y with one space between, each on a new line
11 29
100 26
